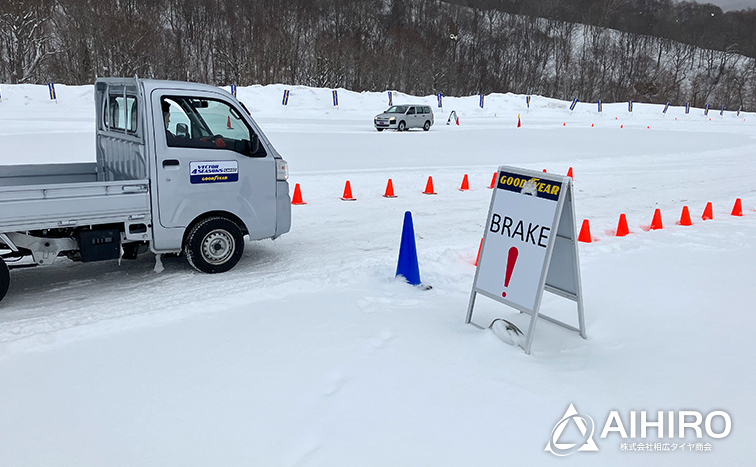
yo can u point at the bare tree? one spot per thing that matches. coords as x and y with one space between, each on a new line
24 37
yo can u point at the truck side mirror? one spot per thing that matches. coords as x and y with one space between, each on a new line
182 130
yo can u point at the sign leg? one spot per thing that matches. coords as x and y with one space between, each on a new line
581 317
470 307
531 330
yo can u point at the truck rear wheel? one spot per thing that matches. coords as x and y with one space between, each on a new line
214 245
4 278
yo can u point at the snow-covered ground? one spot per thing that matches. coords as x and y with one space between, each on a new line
310 353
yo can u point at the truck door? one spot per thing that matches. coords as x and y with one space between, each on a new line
209 159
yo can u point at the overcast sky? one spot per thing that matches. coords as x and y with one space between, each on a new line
731 4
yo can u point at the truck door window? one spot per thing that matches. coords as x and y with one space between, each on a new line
411 111
208 124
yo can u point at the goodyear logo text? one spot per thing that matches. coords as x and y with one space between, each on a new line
215 178
532 186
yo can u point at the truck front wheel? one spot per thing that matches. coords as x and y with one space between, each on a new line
4 278
214 245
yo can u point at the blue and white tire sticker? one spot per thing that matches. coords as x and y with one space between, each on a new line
214 171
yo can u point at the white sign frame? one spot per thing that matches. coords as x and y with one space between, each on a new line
560 271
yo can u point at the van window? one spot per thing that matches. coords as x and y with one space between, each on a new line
208 124
427 110
411 111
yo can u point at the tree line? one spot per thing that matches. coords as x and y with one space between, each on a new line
414 46
700 24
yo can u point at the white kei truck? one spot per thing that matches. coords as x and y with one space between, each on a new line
181 168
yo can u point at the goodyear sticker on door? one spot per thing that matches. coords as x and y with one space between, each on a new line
214 171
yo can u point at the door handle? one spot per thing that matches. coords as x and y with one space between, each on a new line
170 163
134 188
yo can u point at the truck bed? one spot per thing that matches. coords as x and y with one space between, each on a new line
46 174
34 197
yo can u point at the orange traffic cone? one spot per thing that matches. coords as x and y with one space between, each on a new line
479 248
685 217
465 184
518 121
656 222
228 125
493 181
429 187
569 172
544 170
737 210
348 192
389 190
708 213
622 228
585 232
297 198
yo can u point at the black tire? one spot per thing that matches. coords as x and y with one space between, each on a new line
4 278
379 129
426 126
402 126
214 245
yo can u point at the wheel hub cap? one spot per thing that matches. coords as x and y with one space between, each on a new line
217 247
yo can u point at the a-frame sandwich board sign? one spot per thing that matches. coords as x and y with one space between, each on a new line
530 245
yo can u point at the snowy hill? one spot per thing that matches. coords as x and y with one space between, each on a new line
310 353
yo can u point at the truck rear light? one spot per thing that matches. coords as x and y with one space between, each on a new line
282 170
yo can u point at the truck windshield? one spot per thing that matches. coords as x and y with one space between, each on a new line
397 109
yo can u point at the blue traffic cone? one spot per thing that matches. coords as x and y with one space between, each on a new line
407 266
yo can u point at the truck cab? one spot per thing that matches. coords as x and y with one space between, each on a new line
205 157
181 168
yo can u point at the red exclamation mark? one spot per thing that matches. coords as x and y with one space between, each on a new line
511 259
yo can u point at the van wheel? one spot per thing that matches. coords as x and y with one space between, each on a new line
4 278
379 129
426 127
402 126
214 245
